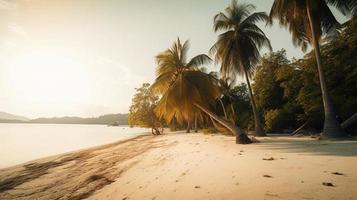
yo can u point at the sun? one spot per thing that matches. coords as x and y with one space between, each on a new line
49 79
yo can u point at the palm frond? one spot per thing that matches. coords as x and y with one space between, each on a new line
346 7
199 60
292 14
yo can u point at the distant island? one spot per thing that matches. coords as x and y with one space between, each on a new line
109 119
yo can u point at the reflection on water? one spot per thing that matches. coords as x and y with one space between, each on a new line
24 142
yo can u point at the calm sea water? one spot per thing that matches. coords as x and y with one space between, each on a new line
24 142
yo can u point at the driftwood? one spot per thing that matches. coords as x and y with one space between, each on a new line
349 121
155 131
300 128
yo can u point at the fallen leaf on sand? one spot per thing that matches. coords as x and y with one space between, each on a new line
337 173
269 159
328 184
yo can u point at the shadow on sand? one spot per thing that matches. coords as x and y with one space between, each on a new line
309 146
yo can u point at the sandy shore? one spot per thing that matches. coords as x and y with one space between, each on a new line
191 166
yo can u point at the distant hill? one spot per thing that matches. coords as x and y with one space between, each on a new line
10 117
109 119
120 119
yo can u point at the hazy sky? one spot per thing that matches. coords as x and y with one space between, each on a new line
85 57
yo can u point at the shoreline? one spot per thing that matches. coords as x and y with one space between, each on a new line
23 142
99 146
190 166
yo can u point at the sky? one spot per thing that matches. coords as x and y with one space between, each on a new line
86 57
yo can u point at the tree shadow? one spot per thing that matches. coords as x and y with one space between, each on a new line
307 146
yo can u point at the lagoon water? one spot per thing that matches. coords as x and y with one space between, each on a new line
20 143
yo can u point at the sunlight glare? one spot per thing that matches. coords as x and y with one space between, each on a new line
47 78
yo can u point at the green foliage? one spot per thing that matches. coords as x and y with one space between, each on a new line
209 130
288 93
141 112
241 105
276 120
267 88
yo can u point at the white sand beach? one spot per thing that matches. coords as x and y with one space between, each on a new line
191 166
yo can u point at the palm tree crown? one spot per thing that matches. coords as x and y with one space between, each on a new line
172 62
182 84
237 49
293 14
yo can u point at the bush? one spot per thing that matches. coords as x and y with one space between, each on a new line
209 130
278 119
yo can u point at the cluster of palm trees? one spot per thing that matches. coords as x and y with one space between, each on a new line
188 93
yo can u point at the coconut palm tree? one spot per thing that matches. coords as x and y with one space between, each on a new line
186 91
308 21
215 77
237 48
171 63
227 87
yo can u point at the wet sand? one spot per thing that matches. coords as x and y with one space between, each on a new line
191 166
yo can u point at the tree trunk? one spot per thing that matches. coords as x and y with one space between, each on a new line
300 128
224 109
196 127
258 125
348 122
188 127
232 108
241 136
233 113
332 127
174 124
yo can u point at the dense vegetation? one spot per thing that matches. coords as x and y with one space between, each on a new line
318 91
142 108
288 92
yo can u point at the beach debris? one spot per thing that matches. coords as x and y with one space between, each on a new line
254 140
337 173
125 198
316 136
267 176
328 184
197 186
269 159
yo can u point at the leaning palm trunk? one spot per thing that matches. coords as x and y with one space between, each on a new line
224 109
332 127
241 136
348 122
257 123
